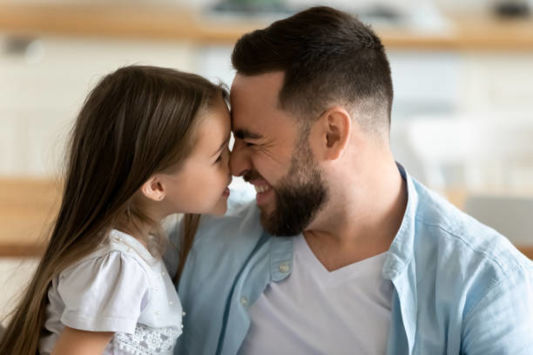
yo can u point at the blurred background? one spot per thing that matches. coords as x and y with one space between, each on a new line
462 72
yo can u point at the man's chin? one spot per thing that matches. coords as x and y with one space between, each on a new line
268 221
272 225
265 216
267 208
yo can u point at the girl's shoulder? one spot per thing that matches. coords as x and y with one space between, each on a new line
112 289
105 291
121 265
119 250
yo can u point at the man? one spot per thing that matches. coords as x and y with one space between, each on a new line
342 252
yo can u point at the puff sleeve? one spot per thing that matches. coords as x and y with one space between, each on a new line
105 293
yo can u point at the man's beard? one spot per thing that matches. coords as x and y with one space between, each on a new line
299 196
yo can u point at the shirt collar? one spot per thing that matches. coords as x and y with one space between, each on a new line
401 250
132 244
281 256
400 266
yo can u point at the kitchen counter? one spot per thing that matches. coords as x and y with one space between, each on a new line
175 23
27 209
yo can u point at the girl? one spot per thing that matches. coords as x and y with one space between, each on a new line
148 142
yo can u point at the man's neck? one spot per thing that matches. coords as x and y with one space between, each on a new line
361 221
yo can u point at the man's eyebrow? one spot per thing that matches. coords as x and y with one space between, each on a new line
246 134
226 141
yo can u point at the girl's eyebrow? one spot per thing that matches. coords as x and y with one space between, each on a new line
226 141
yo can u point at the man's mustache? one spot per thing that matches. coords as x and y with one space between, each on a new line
252 175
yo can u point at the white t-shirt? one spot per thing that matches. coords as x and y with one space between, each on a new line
118 288
314 311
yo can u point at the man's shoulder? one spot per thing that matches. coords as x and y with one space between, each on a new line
462 258
459 239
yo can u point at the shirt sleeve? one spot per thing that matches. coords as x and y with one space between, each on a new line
502 322
106 293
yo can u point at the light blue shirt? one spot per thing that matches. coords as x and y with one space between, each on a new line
459 286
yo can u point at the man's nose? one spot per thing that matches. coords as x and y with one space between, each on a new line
239 162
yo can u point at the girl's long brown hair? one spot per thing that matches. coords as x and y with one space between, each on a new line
137 121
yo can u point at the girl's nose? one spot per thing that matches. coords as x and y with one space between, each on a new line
239 160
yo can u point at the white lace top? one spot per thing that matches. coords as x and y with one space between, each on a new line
119 288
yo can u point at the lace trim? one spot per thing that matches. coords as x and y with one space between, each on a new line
146 340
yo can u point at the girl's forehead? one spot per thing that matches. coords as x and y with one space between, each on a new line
214 128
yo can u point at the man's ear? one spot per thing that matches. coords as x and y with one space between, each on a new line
153 189
334 127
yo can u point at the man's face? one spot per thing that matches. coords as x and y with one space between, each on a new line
272 152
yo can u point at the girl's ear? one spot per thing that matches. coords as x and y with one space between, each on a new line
334 129
153 189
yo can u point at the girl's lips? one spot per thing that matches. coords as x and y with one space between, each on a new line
226 192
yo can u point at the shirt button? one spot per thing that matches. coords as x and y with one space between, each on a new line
284 268
183 314
171 303
244 301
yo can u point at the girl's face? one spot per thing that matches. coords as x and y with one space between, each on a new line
201 184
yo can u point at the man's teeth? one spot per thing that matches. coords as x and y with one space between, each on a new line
261 188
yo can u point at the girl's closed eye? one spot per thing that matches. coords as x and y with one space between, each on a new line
225 152
219 159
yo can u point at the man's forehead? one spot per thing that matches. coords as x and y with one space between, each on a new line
246 126
254 105
264 86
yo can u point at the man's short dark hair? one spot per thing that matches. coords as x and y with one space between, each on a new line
328 57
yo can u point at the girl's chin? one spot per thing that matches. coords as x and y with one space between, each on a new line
220 210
